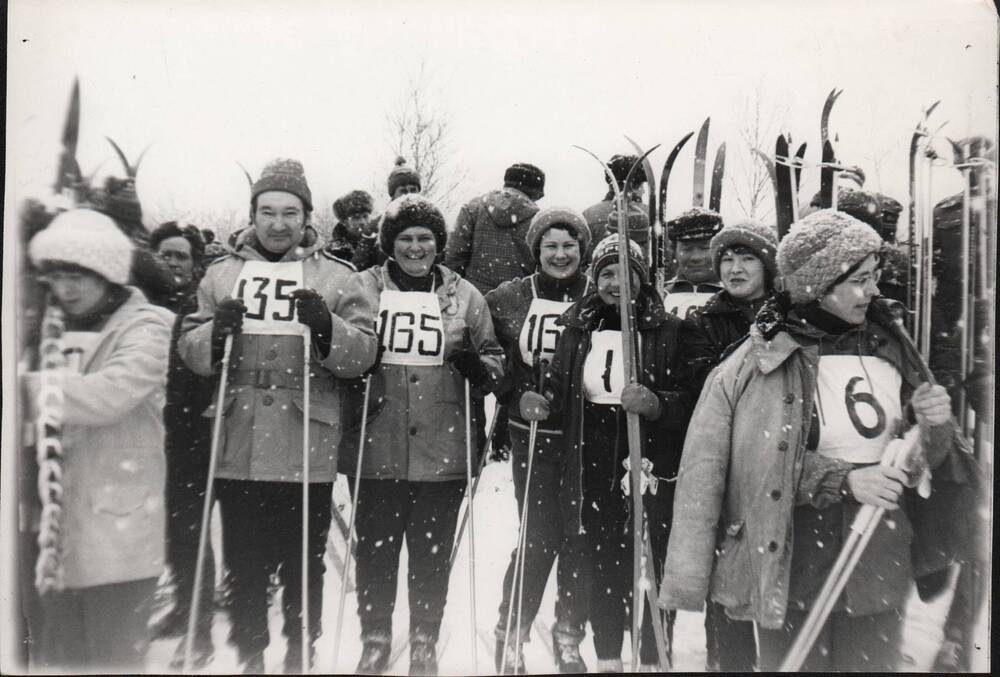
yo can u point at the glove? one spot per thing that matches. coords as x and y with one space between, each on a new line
647 480
312 311
534 406
466 361
638 399
228 317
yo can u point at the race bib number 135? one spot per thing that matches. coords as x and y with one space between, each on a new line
266 290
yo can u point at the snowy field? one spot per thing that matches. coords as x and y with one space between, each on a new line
496 531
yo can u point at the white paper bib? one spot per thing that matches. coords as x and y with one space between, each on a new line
855 414
682 303
540 331
78 348
266 289
604 368
410 328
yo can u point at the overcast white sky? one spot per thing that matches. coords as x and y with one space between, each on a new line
208 84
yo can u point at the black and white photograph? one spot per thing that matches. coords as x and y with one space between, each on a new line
523 337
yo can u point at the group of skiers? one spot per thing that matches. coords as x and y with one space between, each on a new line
771 377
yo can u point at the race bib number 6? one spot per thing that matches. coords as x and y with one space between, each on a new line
266 290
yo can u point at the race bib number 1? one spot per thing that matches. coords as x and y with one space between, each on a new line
266 290
410 328
604 369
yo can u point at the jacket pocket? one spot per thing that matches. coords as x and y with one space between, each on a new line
731 583
227 413
324 435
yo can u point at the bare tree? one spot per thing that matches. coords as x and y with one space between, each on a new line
762 118
421 133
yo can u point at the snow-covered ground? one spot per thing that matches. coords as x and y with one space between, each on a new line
496 532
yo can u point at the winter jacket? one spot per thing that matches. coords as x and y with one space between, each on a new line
509 305
361 250
416 414
262 435
114 469
719 324
663 370
596 216
487 246
746 477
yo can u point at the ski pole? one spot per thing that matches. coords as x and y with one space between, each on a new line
206 512
306 354
472 524
471 493
862 528
350 526
517 582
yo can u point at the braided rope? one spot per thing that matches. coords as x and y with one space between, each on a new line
48 434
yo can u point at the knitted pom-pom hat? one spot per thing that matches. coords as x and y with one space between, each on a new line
819 249
405 212
571 219
402 175
758 237
284 175
606 253
84 238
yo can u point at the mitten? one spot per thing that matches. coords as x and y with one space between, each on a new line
638 399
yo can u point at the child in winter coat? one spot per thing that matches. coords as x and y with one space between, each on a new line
588 389
785 447
525 316
435 333
102 526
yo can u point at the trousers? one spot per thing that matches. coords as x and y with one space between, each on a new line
545 541
425 514
845 643
262 522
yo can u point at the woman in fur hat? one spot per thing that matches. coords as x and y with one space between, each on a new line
525 316
102 533
587 389
435 333
785 447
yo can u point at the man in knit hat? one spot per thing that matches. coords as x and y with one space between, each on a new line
276 283
488 246
696 280
101 529
403 180
597 214
353 237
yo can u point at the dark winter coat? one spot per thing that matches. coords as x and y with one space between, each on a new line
509 304
263 407
416 414
663 370
746 477
361 250
596 216
719 324
487 246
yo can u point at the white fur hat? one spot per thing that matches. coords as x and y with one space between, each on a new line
87 239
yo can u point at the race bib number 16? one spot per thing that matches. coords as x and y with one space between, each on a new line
266 290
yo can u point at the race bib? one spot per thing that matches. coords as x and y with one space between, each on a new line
78 348
410 328
852 414
604 369
540 331
682 303
266 289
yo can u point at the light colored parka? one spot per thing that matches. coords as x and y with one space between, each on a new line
262 432
416 414
745 468
114 468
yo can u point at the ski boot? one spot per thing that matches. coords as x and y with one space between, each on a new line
375 652
506 665
423 654
610 665
568 657
171 624
202 653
